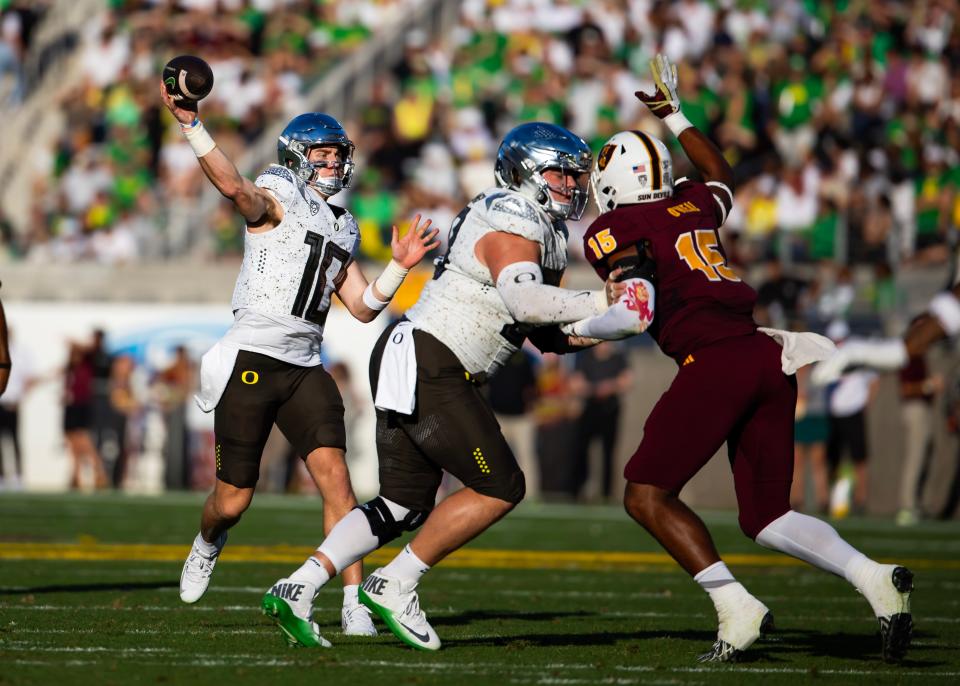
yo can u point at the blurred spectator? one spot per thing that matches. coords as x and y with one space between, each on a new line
21 381
811 431
949 508
124 407
778 298
78 418
103 417
848 402
602 376
917 390
555 415
512 393
173 389
5 363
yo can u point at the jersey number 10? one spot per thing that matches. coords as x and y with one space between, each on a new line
306 306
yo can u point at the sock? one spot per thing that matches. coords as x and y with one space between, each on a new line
350 595
350 540
816 542
206 549
406 566
714 576
313 572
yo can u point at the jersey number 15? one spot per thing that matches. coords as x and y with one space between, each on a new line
699 249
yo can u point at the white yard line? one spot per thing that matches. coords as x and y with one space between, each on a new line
252 660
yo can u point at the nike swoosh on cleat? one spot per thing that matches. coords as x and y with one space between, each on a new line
425 637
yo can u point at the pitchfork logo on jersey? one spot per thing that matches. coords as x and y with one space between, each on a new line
638 300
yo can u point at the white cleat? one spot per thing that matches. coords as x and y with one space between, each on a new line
356 621
743 619
197 571
398 606
887 588
289 604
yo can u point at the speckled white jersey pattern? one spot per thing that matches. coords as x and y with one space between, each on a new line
461 306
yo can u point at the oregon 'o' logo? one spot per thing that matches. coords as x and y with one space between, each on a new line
249 377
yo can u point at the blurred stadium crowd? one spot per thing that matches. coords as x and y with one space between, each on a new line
842 119
842 122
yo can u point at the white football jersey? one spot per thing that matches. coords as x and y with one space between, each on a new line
461 306
291 272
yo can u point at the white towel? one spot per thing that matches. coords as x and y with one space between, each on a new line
800 348
397 384
216 366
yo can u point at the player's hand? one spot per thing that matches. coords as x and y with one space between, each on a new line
416 243
613 288
181 115
664 101
583 341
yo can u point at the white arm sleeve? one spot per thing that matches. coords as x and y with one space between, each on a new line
632 314
946 308
887 354
531 301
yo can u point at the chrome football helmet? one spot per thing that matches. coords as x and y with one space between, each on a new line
632 167
529 150
309 131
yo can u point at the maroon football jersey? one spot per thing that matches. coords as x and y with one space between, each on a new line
699 298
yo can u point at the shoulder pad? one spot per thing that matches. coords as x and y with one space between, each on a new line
282 182
346 222
513 213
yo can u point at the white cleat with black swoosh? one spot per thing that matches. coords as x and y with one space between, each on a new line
397 604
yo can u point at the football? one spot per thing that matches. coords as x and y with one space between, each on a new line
188 79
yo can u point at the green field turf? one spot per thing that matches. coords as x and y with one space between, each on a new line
539 617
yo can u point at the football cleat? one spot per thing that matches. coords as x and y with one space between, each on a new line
289 604
356 621
397 604
888 592
743 619
197 571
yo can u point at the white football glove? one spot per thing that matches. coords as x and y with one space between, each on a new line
664 101
630 315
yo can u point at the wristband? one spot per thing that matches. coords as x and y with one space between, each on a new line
198 138
371 301
677 123
391 278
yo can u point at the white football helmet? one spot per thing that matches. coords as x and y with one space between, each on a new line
632 167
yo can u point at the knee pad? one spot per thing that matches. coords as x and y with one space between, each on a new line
510 488
384 525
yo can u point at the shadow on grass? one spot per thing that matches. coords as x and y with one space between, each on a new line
864 647
89 588
778 647
459 618
593 638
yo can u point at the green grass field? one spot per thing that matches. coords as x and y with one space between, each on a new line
88 594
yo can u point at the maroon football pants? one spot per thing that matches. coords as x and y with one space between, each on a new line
734 391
